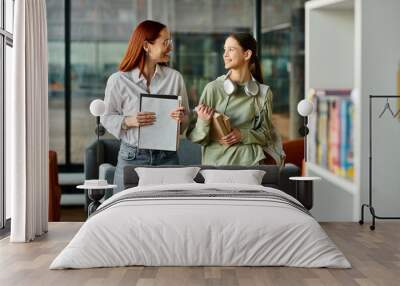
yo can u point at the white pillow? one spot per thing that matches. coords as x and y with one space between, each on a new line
248 177
166 176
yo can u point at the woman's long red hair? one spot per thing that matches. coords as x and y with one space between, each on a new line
135 55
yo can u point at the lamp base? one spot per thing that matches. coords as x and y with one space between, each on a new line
100 130
303 130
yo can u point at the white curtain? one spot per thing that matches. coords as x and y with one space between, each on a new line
27 124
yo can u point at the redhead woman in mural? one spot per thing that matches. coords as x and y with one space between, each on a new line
246 101
143 69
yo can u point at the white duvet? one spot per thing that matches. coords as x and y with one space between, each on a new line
200 231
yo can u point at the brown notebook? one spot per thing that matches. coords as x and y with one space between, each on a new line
220 126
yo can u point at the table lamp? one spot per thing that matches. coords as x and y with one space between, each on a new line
97 109
305 108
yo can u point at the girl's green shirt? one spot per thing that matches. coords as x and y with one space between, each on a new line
242 111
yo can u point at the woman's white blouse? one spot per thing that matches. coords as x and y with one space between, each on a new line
122 97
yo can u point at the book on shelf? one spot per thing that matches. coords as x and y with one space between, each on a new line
322 132
346 148
331 92
331 131
334 136
220 126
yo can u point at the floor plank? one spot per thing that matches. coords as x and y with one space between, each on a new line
375 257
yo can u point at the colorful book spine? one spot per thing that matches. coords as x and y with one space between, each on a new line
346 147
322 137
331 142
334 136
344 135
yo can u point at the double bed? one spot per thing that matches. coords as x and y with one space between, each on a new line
198 224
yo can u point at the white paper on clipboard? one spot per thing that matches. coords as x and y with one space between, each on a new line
164 133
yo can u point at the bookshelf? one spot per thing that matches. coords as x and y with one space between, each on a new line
348 44
341 182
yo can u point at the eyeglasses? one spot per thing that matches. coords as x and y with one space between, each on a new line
167 43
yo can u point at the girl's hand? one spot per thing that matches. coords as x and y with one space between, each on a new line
178 114
204 112
232 138
140 119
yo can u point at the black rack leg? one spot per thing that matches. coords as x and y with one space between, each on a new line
372 210
361 221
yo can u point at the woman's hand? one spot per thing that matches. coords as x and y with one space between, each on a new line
140 119
178 114
204 112
232 138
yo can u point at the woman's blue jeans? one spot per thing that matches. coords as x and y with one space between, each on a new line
130 155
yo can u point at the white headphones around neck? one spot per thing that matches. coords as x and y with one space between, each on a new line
251 87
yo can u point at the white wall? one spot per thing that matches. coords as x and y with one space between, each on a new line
380 57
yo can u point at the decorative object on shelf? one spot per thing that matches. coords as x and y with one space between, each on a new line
95 191
369 205
97 109
305 108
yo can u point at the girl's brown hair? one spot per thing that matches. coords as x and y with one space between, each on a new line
247 42
135 55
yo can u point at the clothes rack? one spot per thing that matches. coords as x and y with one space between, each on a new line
370 202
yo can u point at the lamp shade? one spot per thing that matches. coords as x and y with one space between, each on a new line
97 107
305 107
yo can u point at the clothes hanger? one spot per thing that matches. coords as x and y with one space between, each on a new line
397 113
387 106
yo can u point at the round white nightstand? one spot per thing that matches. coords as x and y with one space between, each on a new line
95 194
304 188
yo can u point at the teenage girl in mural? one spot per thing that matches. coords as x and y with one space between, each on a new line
143 69
242 96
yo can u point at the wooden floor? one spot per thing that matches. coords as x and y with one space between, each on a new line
375 257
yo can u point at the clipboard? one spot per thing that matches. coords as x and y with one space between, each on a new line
164 133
